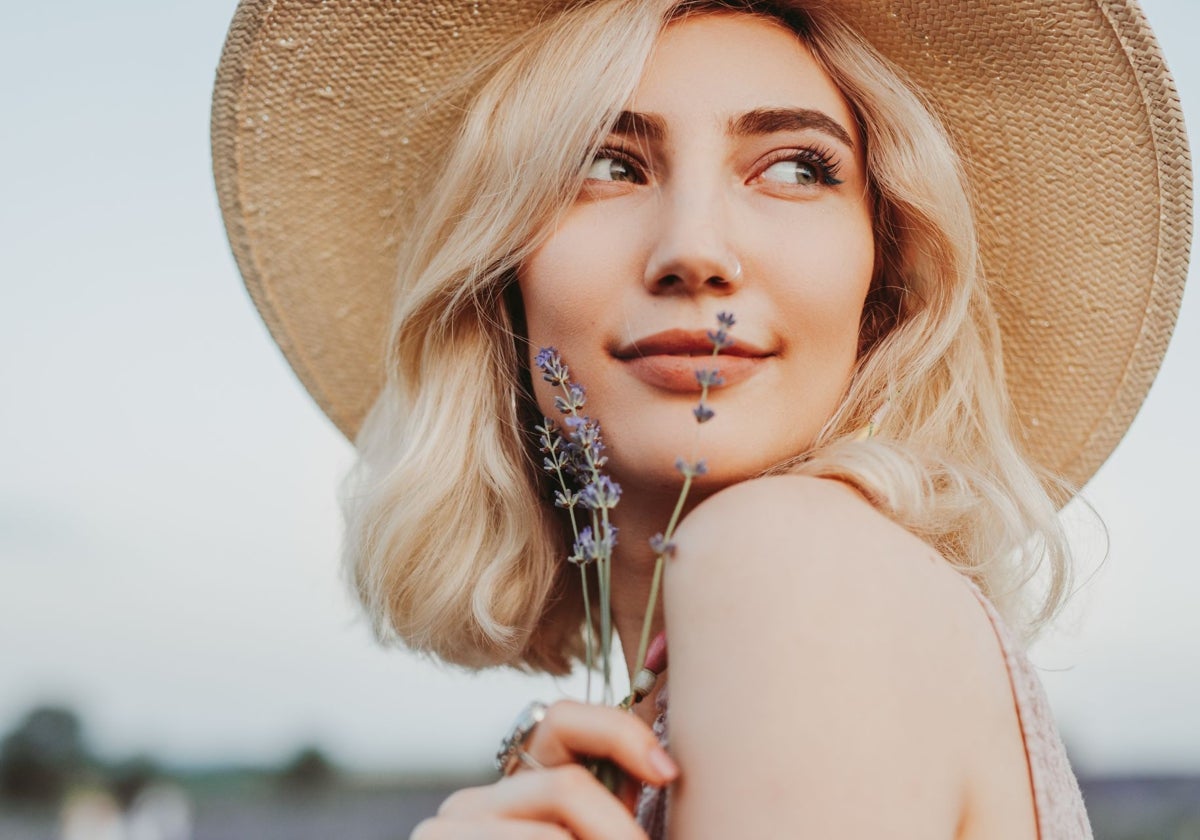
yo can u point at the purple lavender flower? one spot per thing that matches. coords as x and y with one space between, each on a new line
590 445
711 377
548 436
660 546
574 400
601 493
608 539
551 365
584 549
719 338
691 470
589 548
550 443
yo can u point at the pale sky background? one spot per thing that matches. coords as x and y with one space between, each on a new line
168 525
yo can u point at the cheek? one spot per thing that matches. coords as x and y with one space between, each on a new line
551 294
831 260
568 280
564 291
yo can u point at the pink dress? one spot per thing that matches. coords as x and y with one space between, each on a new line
1060 811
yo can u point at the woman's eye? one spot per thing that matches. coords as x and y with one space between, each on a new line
795 172
608 168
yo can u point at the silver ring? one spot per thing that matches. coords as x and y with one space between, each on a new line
529 761
512 748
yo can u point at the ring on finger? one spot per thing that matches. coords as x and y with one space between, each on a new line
529 761
512 748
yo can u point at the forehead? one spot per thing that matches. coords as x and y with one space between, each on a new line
718 65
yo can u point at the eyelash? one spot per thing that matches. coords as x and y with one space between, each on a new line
637 167
820 158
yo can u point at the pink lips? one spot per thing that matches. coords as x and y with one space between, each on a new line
671 358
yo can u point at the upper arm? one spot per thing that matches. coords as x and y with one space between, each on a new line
822 669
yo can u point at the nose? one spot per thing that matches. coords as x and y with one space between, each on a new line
692 251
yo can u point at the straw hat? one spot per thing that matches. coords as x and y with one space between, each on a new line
1066 115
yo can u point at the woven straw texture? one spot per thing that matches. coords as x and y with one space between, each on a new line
324 112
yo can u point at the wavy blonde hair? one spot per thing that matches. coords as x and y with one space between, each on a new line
450 542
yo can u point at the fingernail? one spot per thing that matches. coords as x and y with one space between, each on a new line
662 762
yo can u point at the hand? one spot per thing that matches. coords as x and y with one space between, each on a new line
564 800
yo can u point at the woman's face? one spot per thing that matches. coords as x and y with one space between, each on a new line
734 182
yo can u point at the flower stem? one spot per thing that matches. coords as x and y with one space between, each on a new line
655 582
644 642
683 493
587 632
587 607
602 572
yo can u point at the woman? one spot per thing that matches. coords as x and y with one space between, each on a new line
852 584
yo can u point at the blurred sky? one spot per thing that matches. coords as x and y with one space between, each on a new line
168 525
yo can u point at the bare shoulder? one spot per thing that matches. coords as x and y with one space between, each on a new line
858 658
817 531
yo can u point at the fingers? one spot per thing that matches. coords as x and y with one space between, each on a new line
441 828
563 800
573 730
567 796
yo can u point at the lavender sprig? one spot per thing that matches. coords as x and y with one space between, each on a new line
558 462
577 461
661 544
711 378
581 457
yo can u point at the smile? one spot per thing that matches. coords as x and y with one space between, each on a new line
669 360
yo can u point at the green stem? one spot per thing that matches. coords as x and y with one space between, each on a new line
683 493
587 631
587 608
658 567
645 640
607 617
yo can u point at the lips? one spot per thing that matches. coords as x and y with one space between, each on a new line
670 359
684 343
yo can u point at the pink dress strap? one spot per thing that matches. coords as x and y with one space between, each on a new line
1060 811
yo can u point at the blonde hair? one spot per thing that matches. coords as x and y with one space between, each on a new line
451 544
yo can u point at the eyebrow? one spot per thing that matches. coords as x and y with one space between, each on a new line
750 124
644 126
769 120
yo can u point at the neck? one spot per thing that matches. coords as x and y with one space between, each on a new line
639 517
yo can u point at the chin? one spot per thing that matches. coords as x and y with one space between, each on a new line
648 463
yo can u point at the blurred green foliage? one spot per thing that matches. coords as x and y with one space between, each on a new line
43 756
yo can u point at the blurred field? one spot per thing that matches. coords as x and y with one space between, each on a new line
53 787
1144 808
257 812
1161 808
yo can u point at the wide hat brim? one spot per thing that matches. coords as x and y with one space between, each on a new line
1064 112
